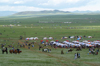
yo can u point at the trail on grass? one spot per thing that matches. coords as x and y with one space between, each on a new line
59 59
92 64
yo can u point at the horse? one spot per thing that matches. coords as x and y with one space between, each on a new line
4 51
15 51
93 52
40 47
78 49
44 50
62 52
70 50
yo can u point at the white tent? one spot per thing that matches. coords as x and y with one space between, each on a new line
85 41
89 36
72 37
45 38
35 38
50 37
32 38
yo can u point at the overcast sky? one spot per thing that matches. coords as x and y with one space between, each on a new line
37 5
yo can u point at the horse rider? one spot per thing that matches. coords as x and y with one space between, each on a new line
3 48
13 49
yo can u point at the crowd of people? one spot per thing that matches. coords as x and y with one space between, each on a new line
76 55
93 51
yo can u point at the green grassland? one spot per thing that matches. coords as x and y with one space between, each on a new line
46 26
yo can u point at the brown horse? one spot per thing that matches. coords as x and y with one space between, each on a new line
78 49
70 50
14 51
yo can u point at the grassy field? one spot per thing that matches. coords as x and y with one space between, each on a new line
37 58
46 26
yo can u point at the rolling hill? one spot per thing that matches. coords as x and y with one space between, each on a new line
41 13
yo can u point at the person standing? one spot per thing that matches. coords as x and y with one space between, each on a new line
39 47
6 50
17 50
48 50
75 56
78 55
28 47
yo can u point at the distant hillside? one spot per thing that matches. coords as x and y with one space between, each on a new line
86 11
54 12
7 13
14 14
41 13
